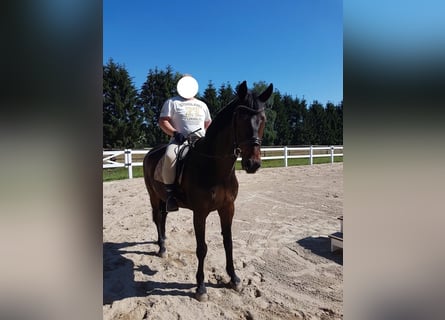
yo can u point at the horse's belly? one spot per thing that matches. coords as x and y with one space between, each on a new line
212 198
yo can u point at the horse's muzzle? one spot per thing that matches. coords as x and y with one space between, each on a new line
250 165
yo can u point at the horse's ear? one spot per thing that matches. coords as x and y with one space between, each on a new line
266 93
242 90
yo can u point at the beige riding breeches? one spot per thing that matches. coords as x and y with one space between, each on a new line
169 165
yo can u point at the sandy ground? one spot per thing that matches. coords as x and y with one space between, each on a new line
281 251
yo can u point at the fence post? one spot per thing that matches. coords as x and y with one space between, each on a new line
285 156
332 154
128 163
311 153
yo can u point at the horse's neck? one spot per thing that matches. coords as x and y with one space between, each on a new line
221 144
218 150
219 138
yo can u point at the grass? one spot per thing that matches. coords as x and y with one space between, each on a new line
122 173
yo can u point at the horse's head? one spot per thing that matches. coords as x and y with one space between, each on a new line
249 120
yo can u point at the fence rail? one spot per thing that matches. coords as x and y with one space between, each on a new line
128 158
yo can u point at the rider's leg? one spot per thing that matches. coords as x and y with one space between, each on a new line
169 175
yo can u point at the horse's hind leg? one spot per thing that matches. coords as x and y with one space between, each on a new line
226 216
159 218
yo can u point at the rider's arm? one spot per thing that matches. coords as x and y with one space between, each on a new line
166 126
207 124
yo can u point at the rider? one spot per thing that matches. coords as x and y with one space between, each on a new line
180 116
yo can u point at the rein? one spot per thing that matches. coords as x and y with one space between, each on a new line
255 140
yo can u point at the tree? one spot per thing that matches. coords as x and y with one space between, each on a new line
302 135
296 113
122 119
269 134
131 120
211 99
225 95
332 122
282 106
159 86
316 124
339 131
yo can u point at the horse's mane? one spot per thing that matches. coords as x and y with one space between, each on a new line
222 119
224 116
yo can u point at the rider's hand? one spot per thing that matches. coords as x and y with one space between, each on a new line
179 137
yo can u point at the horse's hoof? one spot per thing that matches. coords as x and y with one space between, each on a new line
201 294
162 253
237 286
201 297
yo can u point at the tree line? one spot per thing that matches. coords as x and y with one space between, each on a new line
130 116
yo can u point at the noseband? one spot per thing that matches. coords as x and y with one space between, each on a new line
255 140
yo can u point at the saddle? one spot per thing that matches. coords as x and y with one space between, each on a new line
180 160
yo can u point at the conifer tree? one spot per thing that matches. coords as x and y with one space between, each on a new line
211 99
122 119
159 86
269 134
225 95
282 107
339 128
131 119
316 124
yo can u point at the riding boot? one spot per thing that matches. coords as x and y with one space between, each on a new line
170 204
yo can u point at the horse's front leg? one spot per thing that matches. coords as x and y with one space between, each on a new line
199 222
226 216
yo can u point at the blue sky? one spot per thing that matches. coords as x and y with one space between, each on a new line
295 44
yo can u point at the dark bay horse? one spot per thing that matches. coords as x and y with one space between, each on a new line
208 181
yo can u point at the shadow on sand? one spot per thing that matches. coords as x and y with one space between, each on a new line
321 246
118 275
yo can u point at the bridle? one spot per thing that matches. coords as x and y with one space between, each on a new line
254 140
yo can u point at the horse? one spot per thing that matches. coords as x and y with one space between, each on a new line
208 180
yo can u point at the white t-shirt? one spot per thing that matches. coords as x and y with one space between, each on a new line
186 115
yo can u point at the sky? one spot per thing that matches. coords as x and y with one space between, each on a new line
295 44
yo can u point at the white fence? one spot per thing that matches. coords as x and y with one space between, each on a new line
111 158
